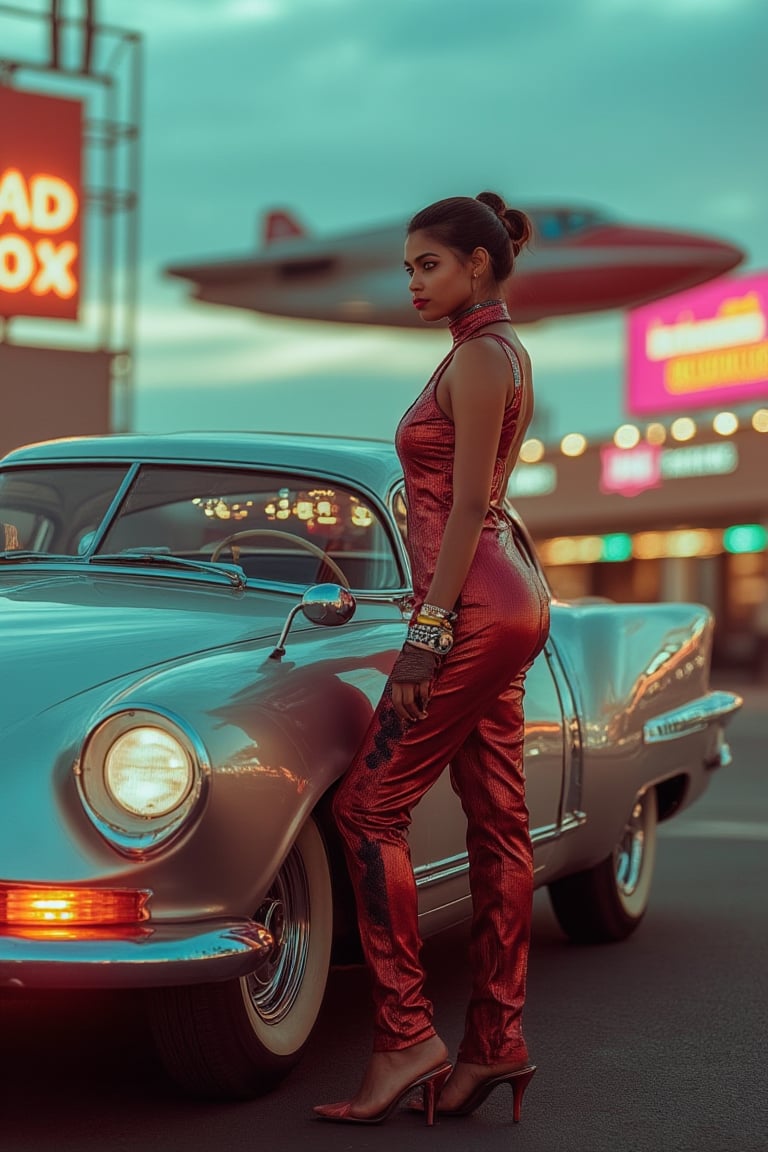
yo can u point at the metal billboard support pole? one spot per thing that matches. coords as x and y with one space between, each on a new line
101 65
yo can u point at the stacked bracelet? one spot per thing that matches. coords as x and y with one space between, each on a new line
436 637
439 613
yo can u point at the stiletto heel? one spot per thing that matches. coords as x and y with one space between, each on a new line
431 1092
518 1082
431 1084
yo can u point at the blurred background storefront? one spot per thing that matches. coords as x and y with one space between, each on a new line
648 491
673 506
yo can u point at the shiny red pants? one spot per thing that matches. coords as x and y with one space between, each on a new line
475 722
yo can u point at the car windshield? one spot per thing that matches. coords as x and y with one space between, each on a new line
55 510
277 528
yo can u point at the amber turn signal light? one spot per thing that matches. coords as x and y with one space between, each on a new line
28 905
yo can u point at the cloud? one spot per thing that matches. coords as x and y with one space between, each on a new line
355 114
735 206
676 9
358 113
181 19
197 347
585 343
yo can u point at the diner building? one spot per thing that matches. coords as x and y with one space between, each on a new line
674 505
672 510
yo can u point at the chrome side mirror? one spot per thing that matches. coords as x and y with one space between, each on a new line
327 604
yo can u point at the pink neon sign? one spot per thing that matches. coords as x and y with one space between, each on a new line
700 348
630 471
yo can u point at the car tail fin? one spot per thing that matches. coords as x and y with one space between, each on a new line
279 224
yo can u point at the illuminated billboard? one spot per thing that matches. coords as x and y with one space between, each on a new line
700 348
40 204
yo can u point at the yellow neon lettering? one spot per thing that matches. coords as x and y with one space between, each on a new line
17 264
54 274
44 269
744 365
53 204
14 201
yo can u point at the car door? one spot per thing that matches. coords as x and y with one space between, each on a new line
439 826
438 835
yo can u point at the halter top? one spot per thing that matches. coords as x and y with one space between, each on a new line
425 442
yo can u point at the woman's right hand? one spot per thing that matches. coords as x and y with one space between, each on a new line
411 679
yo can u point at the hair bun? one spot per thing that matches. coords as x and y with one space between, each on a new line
494 202
518 226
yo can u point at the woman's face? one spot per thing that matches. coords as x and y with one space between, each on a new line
441 283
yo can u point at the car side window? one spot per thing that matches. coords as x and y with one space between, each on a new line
50 508
279 528
400 512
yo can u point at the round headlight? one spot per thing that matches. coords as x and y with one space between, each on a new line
148 772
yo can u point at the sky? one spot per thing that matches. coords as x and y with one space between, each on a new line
352 114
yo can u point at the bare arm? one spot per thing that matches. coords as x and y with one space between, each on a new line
475 392
477 386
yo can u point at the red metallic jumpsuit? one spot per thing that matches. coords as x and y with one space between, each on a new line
475 722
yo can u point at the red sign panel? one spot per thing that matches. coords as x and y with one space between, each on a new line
630 470
40 204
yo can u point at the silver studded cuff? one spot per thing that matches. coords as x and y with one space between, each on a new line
433 636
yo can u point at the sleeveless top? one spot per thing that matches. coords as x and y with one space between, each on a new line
425 441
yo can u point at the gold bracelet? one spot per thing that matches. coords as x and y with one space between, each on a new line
442 613
441 621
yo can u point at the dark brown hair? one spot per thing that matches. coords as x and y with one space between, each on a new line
463 224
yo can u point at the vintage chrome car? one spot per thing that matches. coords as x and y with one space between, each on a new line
194 630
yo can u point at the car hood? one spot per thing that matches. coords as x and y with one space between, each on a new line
65 634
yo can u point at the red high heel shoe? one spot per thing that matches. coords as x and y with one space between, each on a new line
518 1082
431 1084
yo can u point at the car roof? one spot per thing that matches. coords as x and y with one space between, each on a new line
371 462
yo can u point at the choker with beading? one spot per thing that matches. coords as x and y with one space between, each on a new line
478 316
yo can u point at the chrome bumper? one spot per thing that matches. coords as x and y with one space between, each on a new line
167 954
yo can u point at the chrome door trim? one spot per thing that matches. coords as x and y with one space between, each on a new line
453 866
691 717
573 755
440 870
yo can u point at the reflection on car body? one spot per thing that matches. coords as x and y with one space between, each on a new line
179 711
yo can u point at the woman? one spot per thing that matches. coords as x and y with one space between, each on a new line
456 690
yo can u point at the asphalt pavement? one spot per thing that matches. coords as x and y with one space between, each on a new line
654 1045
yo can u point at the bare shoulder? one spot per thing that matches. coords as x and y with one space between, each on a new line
477 360
482 365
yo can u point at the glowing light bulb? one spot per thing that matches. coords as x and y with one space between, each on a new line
683 428
531 451
626 436
725 423
574 444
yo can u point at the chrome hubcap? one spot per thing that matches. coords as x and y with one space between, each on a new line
630 850
285 912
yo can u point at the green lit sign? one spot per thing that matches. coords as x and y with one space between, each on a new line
532 480
616 546
745 538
